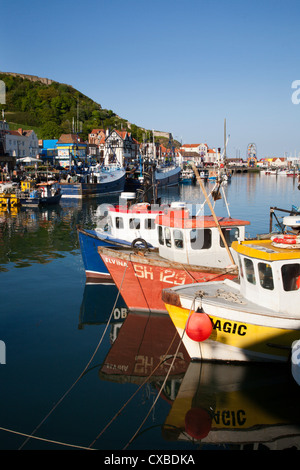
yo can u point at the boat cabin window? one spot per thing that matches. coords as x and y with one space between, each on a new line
134 224
149 224
265 276
230 235
168 237
119 222
200 239
161 235
290 276
249 271
178 238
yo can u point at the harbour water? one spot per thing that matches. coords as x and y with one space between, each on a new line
80 372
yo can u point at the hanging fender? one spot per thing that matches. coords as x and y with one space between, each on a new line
139 244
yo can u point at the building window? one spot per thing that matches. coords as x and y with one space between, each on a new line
291 276
200 239
249 271
265 276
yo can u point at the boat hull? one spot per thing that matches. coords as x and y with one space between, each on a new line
238 336
40 201
168 178
145 278
81 190
89 242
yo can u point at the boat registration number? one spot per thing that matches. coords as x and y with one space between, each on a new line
168 276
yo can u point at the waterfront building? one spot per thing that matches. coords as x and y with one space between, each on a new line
21 143
119 147
96 136
200 154
48 150
70 150
32 143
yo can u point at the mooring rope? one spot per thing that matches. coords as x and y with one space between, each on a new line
133 395
165 380
84 370
44 440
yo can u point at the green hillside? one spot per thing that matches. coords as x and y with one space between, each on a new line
51 109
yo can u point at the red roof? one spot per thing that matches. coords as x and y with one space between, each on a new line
180 218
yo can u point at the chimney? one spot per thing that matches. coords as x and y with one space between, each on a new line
20 131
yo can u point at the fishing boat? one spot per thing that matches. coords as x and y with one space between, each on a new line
107 180
167 175
40 194
123 225
191 249
256 319
187 176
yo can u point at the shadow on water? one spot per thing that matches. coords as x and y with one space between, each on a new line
237 406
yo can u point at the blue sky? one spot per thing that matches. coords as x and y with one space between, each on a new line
170 65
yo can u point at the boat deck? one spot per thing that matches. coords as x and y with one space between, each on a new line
224 293
152 257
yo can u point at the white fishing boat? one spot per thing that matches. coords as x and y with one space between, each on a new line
256 319
123 225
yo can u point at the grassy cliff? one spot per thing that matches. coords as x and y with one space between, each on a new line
52 108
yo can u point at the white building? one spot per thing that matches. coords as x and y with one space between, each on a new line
15 144
200 154
120 147
32 143
21 143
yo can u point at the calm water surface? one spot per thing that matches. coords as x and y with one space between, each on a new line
68 371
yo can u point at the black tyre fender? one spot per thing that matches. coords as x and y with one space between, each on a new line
140 244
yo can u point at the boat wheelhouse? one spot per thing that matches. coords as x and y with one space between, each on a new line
197 239
122 226
191 249
255 319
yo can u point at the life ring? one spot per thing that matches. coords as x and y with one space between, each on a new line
139 244
285 241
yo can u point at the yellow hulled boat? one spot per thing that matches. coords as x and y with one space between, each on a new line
256 318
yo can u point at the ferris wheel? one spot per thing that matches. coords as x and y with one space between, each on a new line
251 151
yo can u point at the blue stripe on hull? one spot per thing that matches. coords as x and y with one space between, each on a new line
89 243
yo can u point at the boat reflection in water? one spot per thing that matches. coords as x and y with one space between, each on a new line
237 406
144 349
97 304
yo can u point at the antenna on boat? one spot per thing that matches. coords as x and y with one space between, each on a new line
212 211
